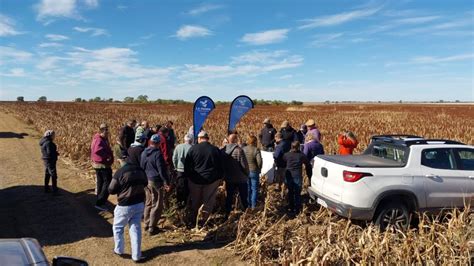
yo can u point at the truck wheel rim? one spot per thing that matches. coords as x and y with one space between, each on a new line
396 218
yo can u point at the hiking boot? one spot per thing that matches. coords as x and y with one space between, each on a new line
153 231
140 260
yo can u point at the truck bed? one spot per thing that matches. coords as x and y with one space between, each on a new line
362 161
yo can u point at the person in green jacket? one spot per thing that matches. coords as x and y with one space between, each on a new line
179 155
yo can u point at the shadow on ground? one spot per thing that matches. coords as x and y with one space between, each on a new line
26 211
163 250
11 135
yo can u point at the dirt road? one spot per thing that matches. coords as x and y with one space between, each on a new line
68 224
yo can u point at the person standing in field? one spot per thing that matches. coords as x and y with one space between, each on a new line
301 133
254 159
127 133
281 148
313 129
171 135
312 147
50 155
102 160
165 146
294 175
267 136
158 182
204 170
236 169
136 149
120 153
288 134
144 129
179 156
129 184
347 143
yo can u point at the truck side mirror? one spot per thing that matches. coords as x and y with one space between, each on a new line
68 261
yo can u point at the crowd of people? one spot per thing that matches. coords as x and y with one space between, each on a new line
152 168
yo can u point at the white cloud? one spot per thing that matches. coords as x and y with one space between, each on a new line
435 59
48 9
56 37
50 45
14 72
265 37
192 31
204 8
10 54
247 65
48 63
7 26
324 39
337 19
94 31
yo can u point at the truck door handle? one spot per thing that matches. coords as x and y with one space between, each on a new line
431 176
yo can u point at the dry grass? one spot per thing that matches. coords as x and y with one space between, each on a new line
268 236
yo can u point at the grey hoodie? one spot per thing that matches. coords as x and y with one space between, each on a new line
236 167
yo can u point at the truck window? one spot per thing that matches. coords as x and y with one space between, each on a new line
438 158
390 152
466 157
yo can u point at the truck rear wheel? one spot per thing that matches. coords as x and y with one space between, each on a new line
392 214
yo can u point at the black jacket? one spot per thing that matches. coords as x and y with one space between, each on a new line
129 184
288 134
280 149
127 136
49 150
134 154
203 164
294 164
154 165
267 136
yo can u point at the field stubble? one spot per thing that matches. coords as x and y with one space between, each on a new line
268 236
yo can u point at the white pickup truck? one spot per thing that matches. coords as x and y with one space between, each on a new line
396 176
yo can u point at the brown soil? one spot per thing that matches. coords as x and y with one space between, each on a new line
68 224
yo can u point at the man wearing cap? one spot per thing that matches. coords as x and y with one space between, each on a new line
313 129
158 182
50 157
136 149
127 133
267 135
203 168
179 155
102 160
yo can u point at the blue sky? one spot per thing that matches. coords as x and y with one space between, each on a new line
288 50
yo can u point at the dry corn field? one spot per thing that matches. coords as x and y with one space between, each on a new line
268 236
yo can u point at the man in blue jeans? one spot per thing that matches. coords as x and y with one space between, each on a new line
129 184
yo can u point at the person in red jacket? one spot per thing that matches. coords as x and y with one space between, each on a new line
102 159
347 143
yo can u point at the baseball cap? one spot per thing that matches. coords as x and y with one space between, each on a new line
267 121
285 124
103 126
155 138
203 134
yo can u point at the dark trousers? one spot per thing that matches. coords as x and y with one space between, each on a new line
104 176
231 188
182 190
294 184
50 173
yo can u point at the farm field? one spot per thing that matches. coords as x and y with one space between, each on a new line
267 235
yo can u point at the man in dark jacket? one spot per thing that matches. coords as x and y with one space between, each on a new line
203 168
281 148
127 133
136 149
129 184
102 160
267 136
50 157
236 171
288 133
158 182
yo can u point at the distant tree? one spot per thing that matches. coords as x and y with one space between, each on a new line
97 99
400 101
84 100
20 99
110 100
296 103
457 101
42 99
128 99
142 99
78 100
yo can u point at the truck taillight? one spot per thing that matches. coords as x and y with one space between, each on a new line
354 176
